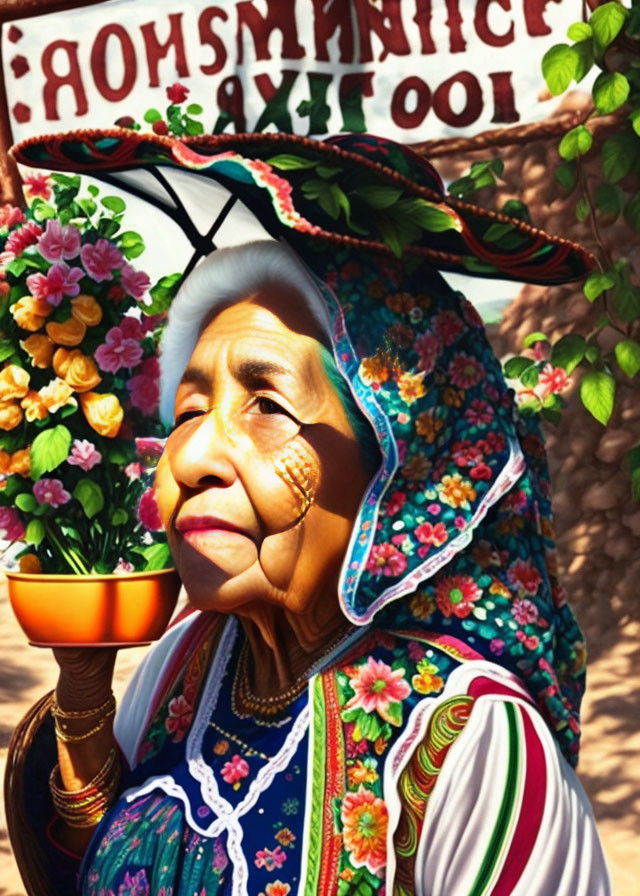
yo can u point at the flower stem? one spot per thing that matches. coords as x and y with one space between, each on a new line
73 561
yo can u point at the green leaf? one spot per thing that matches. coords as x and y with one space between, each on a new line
632 212
49 449
378 196
26 502
194 128
593 353
584 59
289 162
634 118
532 338
609 199
463 186
7 348
71 182
596 283
162 293
393 714
119 517
496 231
429 216
90 495
566 174
131 244
597 393
157 556
619 154
88 206
610 91
516 209
634 465
627 302
568 352
529 377
114 204
194 109
515 366
582 209
92 190
628 356
579 31
576 142
34 532
559 66
606 22
152 115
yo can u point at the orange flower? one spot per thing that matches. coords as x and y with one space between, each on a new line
34 406
10 415
39 348
422 605
276 888
401 302
411 387
14 382
221 747
373 370
456 491
416 467
453 397
428 426
71 332
20 462
427 682
55 395
76 369
30 313
29 563
85 309
103 412
497 587
5 461
359 773
365 818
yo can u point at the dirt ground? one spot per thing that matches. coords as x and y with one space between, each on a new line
609 765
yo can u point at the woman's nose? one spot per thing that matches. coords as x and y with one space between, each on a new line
204 455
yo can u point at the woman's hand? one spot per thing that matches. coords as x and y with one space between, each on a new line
85 677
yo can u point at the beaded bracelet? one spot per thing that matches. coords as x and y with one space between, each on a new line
59 713
84 808
63 735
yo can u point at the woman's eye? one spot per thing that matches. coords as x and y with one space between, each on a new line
186 415
268 406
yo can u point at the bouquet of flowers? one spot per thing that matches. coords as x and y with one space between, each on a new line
79 331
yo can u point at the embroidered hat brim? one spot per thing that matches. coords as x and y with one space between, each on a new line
355 190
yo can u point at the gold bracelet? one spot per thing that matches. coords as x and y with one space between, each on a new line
67 738
59 713
84 808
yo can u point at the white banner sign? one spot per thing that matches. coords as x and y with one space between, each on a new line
408 69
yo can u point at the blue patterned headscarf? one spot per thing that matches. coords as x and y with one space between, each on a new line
454 534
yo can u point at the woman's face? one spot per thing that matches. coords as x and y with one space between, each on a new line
262 477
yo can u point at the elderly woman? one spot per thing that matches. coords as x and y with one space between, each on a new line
376 687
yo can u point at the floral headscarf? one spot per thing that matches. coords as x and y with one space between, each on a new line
457 520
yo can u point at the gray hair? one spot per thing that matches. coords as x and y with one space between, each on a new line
224 277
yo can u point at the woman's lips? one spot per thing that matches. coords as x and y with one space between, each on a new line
193 528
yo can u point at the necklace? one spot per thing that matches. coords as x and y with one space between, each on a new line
250 751
246 704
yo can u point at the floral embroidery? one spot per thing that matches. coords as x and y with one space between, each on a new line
378 688
427 681
276 888
235 770
456 595
285 837
365 819
270 858
291 806
179 719
386 560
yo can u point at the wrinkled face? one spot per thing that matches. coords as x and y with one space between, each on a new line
262 477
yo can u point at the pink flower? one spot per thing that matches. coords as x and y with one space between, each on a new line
235 770
465 371
123 567
427 533
552 380
150 446
51 491
524 611
523 574
354 748
395 503
377 688
101 259
386 560
37 186
179 718
415 651
496 645
428 348
148 512
479 413
61 280
10 215
136 283
133 470
434 509
118 351
448 326
145 393
58 243
132 328
177 93
11 528
27 235
84 454
456 595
